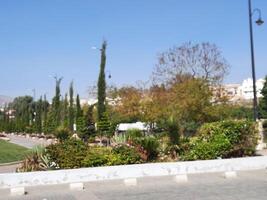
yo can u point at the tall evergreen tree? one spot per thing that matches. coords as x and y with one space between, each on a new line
90 122
104 127
263 101
38 115
79 112
80 120
45 113
65 116
101 92
71 109
56 102
23 106
54 115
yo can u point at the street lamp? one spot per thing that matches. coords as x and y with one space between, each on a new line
259 22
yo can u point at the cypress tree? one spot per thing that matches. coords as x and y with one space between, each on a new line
56 102
45 112
80 120
38 115
101 93
89 118
65 117
54 115
104 127
79 112
71 110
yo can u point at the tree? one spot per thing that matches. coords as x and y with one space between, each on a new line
23 107
104 126
65 116
180 106
88 124
45 113
101 85
79 112
71 109
263 101
54 115
129 105
38 115
80 120
56 101
193 60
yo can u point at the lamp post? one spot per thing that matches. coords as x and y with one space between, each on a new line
259 22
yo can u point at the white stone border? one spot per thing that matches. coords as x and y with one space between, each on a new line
130 171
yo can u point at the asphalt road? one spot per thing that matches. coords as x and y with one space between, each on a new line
247 186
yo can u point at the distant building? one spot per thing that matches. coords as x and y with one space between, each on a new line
110 101
247 88
83 102
239 92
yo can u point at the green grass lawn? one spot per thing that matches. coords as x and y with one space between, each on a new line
11 152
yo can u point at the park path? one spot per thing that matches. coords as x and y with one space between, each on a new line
9 168
262 152
25 142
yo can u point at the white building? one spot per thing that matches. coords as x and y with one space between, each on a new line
246 89
239 92
110 101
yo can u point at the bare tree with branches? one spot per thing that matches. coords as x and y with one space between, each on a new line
203 60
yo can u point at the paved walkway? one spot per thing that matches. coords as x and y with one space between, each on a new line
22 141
9 168
247 186
262 152
27 142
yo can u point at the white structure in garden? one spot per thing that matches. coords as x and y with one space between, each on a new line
123 127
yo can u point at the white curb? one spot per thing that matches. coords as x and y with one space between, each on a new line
76 186
130 182
125 172
181 178
230 174
17 191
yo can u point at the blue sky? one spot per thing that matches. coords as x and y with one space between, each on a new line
43 38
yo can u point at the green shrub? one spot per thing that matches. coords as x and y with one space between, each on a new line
99 156
216 147
223 139
150 145
171 129
132 134
119 139
127 154
36 161
67 154
103 156
62 133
